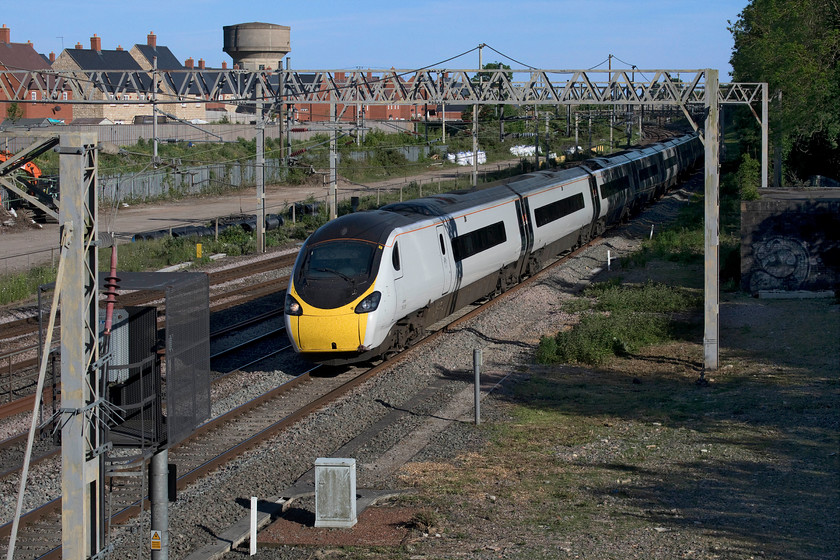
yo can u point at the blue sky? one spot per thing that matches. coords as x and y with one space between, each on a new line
558 34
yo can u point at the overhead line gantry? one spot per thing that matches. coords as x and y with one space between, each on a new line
696 92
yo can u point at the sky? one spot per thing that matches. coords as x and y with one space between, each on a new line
381 34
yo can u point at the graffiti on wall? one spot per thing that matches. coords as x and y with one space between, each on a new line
780 263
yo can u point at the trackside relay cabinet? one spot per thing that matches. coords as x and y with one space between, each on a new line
335 492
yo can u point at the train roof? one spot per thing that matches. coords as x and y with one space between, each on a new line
451 202
371 225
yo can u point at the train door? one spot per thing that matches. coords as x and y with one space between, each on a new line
399 285
445 258
596 201
526 233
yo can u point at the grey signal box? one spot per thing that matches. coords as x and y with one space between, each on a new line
335 492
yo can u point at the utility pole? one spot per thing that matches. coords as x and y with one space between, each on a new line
764 135
536 137
155 158
711 209
568 120
364 113
281 111
260 168
82 437
612 98
443 122
777 154
290 111
475 123
333 202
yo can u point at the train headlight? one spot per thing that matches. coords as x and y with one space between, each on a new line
292 307
370 303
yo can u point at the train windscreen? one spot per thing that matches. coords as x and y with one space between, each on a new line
334 273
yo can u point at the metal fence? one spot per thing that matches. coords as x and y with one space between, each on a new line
183 181
128 135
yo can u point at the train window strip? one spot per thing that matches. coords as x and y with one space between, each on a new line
558 209
615 186
648 172
474 242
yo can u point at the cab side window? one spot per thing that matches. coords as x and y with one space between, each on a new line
395 257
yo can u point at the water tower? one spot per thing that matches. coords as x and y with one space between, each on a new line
257 46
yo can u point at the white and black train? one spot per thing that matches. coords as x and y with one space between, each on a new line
369 283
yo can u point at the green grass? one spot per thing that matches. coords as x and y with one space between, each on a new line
620 320
648 298
20 286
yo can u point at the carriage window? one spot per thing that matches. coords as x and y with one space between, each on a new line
442 245
615 186
474 242
395 257
648 172
556 210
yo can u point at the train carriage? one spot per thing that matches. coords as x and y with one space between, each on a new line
370 283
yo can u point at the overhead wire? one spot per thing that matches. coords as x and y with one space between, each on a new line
198 135
509 58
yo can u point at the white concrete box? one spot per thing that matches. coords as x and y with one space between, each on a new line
335 492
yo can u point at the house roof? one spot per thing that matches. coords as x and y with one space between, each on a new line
89 60
27 123
93 120
22 56
165 59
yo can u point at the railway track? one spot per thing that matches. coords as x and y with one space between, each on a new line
19 376
254 334
230 435
29 325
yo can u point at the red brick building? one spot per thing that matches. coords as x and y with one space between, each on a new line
23 56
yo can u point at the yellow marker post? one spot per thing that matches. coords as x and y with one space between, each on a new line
198 250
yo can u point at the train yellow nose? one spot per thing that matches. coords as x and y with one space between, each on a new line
338 333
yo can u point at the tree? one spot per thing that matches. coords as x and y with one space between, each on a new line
14 112
794 46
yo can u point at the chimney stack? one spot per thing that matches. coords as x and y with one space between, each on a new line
79 46
119 47
52 57
201 64
96 43
189 63
5 34
151 39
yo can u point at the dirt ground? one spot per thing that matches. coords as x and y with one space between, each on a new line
635 459
641 461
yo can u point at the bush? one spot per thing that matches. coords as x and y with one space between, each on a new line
749 178
600 336
623 320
